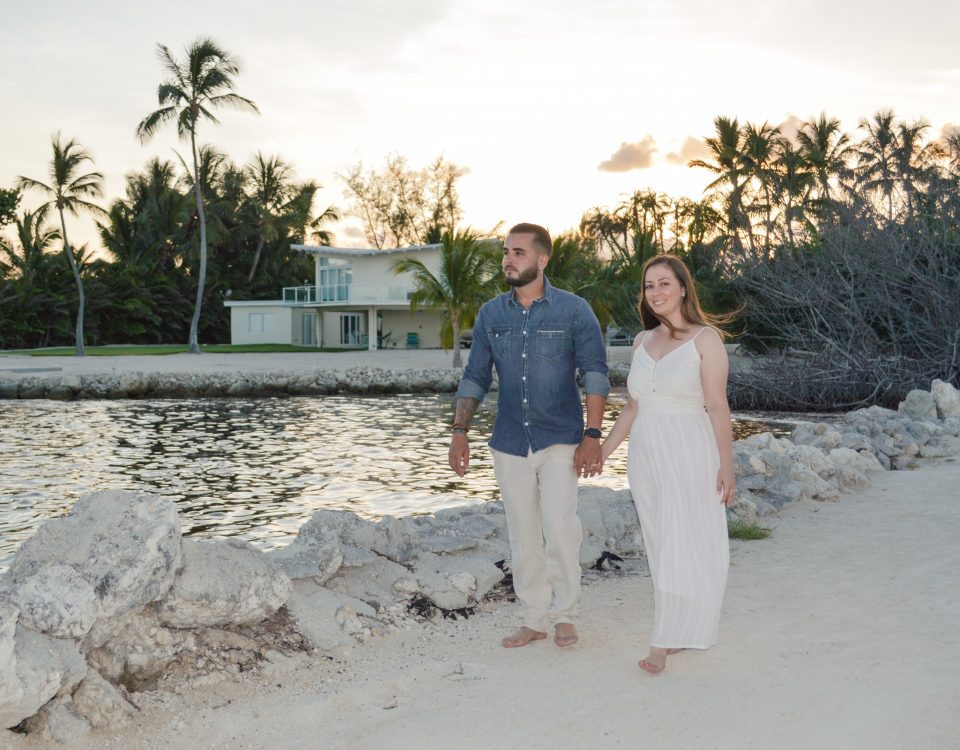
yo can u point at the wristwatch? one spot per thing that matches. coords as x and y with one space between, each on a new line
592 432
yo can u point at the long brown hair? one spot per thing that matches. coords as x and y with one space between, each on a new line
690 305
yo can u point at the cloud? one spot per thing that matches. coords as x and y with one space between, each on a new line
629 156
692 148
790 127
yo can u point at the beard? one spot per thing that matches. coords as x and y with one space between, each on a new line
523 277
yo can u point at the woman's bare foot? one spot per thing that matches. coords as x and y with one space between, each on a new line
656 660
522 637
672 651
565 634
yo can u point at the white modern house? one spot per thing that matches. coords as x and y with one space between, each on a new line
356 300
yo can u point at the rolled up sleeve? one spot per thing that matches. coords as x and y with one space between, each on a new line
478 374
591 354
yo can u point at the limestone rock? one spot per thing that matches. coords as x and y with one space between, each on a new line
379 583
316 561
321 614
744 507
137 651
34 668
58 601
946 398
918 405
389 537
59 722
455 581
126 545
227 582
853 467
100 703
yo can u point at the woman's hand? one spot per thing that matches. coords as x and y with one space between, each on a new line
726 485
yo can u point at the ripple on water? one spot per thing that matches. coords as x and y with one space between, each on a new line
251 468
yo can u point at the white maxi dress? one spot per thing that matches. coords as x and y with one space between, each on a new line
672 471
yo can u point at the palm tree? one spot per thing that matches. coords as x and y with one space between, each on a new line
199 84
466 279
35 238
69 192
282 206
877 157
795 179
758 157
726 151
826 148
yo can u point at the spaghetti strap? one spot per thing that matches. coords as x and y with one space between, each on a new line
699 332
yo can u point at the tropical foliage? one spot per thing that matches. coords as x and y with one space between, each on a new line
467 277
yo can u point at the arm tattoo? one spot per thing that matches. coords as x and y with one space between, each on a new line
466 408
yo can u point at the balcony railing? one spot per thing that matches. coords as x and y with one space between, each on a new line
341 293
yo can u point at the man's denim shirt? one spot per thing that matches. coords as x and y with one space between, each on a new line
536 353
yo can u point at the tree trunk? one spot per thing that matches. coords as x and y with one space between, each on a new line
76 277
256 258
457 361
193 343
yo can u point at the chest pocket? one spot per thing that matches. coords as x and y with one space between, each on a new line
552 344
500 341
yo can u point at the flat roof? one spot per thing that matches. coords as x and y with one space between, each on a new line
355 251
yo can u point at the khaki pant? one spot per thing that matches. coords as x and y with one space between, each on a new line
539 494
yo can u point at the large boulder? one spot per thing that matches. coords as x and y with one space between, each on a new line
918 405
34 668
125 545
58 721
310 559
946 398
227 582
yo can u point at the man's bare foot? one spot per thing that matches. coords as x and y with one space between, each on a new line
656 660
565 634
522 637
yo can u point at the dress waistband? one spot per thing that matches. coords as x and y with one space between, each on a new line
663 405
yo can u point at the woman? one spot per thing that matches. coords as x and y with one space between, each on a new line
680 460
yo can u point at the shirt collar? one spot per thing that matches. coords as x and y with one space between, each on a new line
549 292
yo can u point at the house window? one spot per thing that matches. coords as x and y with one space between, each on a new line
351 329
335 284
259 322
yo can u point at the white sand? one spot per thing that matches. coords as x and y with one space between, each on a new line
841 631
387 359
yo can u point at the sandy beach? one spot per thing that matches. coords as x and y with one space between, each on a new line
840 631
388 359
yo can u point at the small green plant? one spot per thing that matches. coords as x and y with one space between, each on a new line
740 529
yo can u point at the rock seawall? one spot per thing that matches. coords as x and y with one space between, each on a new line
109 599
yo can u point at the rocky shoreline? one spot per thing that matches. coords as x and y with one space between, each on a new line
110 600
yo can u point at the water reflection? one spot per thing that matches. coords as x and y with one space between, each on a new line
253 468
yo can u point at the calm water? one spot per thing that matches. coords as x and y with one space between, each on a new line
253 468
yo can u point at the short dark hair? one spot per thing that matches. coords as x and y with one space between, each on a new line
541 237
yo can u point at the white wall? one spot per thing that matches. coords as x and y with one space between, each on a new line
425 323
261 324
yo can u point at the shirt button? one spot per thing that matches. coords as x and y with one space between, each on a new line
526 424
524 333
524 377
524 355
524 401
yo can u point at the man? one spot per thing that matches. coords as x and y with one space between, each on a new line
537 337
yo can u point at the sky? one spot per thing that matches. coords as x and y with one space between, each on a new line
554 107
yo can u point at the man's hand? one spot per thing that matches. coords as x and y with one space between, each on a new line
459 455
587 460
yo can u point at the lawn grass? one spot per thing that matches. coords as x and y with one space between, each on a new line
740 529
160 349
